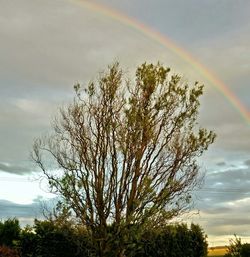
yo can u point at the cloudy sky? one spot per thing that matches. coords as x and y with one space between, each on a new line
47 46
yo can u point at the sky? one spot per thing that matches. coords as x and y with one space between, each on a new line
48 46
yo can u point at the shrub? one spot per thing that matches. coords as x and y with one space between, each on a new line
8 252
9 232
172 241
245 250
50 239
237 249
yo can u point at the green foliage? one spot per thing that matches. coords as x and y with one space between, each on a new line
9 232
57 238
172 241
237 249
28 243
50 239
198 239
245 250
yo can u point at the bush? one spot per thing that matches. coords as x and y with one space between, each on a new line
8 252
49 239
237 249
245 250
172 241
27 243
54 241
9 232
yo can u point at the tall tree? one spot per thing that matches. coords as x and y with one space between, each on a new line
125 152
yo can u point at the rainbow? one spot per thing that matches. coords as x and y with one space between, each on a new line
172 46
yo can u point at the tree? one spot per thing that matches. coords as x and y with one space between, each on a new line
199 241
125 153
9 232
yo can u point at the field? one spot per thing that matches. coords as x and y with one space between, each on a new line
217 251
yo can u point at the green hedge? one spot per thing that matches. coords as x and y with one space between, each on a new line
172 241
50 239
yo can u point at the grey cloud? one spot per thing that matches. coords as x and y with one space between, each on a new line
14 169
224 202
224 192
189 21
225 227
218 114
230 179
231 210
225 186
10 210
224 221
231 64
237 221
221 163
216 210
247 163
228 229
68 41
26 213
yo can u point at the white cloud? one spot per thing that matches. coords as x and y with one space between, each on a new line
22 189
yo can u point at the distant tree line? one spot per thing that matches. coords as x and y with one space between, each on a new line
53 238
